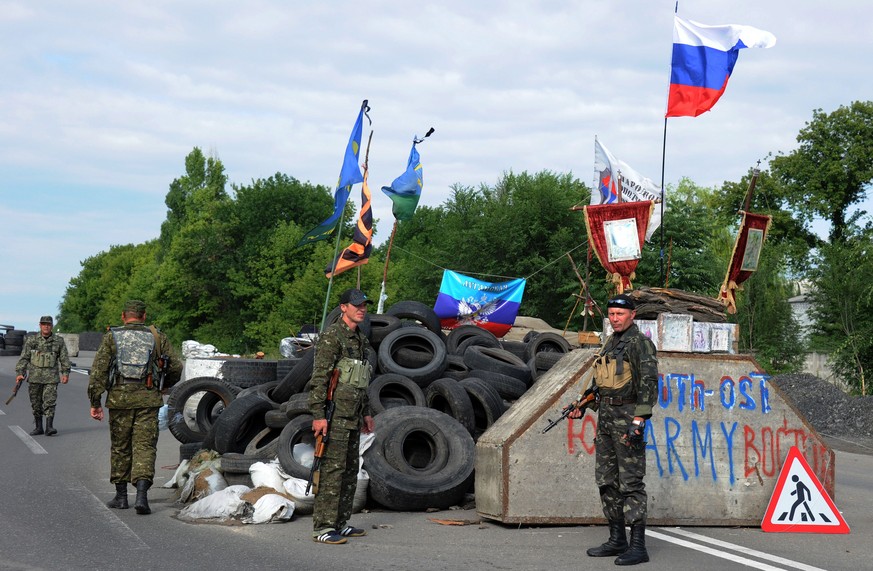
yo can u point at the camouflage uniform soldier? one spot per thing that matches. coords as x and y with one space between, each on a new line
42 357
127 368
342 346
626 375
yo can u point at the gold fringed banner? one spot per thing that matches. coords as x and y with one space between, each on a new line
745 256
616 233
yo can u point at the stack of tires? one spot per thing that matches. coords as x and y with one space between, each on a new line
432 396
12 342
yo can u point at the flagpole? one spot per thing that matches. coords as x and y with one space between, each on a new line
382 296
336 250
663 162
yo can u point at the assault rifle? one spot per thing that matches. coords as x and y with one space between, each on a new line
584 401
15 390
163 361
322 440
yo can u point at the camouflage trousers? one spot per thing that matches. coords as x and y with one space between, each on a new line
338 479
619 469
133 433
43 398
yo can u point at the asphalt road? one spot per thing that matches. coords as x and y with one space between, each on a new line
52 516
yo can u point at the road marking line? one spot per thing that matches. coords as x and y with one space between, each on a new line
746 550
2 413
714 552
28 440
130 538
80 371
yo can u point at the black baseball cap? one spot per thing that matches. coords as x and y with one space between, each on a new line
621 301
355 297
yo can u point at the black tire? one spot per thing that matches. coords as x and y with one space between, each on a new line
284 366
265 390
449 397
417 312
297 431
439 489
415 337
509 388
296 379
216 395
380 326
276 419
487 404
456 368
189 449
417 445
477 341
248 372
236 463
545 360
498 361
517 348
295 406
390 386
463 332
239 479
240 422
265 444
547 342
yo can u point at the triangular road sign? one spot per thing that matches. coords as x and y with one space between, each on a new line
800 503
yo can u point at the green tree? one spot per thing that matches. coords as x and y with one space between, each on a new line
832 168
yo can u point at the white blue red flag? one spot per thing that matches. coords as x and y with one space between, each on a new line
634 186
703 59
463 300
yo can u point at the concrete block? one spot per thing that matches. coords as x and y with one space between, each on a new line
71 340
716 443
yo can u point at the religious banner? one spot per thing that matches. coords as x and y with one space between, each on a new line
464 300
745 257
616 232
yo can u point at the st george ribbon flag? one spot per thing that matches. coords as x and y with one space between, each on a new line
358 253
350 174
634 186
464 300
703 59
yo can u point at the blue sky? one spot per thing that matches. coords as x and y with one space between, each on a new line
101 101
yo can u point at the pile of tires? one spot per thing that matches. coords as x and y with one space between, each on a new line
12 342
432 395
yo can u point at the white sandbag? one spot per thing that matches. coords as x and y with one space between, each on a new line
364 444
271 508
180 476
360 499
221 505
296 488
163 420
266 474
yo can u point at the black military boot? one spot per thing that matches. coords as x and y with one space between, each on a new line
119 502
637 552
37 425
142 501
615 545
49 429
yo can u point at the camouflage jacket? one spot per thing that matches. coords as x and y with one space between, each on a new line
123 395
640 353
36 347
352 404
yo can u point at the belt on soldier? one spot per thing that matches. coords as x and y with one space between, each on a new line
617 401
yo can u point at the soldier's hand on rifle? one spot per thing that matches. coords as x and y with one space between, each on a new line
369 425
19 378
635 432
319 427
575 412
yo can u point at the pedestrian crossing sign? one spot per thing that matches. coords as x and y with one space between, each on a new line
800 503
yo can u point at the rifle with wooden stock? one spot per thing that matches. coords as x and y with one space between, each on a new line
321 440
15 390
585 400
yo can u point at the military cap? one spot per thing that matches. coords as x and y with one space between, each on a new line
354 296
46 319
622 301
134 306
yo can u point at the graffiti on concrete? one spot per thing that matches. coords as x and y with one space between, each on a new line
719 432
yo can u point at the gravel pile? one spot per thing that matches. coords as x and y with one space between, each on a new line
846 422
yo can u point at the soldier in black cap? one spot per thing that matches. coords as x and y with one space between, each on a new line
42 358
344 347
127 368
626 376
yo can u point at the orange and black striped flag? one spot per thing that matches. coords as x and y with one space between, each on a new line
358 252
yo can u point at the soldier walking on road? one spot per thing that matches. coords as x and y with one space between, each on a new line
342 346
626 375
42 358
127 367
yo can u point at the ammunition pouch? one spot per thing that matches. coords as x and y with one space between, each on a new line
43 360
611 373
354 372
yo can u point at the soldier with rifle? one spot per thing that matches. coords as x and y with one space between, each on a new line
43 356
626 377
341 412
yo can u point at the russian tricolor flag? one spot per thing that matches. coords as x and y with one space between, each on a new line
703 59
